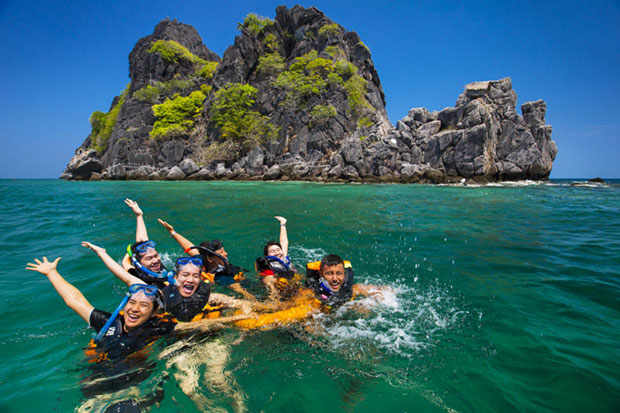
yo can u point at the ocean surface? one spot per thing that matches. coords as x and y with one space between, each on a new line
503 298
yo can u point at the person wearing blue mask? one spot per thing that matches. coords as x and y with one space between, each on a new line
186 297
142 259
218 269
138 322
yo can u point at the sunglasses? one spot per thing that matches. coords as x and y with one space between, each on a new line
186 260
146 289
141 248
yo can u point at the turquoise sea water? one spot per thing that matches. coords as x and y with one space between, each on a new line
504 298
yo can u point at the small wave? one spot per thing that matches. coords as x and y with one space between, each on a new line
401 321
300 253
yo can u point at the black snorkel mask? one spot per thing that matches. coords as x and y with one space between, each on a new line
209 252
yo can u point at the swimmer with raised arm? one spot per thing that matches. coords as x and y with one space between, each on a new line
142 259
215 258
275 266
187 298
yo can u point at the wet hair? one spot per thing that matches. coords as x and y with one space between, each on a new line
269 244
134 251
330 260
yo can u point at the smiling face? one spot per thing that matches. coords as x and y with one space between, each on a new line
151 260
275 251
188 279
137 311
334 275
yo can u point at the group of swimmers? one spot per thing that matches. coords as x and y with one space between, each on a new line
161 301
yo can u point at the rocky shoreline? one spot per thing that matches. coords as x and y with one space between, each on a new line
325 109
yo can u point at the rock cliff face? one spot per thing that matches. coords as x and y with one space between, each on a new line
298 97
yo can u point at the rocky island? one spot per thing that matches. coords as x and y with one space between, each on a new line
298 98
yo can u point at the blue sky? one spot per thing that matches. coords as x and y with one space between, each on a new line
62 60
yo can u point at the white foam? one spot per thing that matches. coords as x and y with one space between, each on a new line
402 321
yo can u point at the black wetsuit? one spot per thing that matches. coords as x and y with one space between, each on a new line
226 275
186 308
119 362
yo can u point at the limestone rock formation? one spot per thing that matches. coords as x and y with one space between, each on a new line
298 97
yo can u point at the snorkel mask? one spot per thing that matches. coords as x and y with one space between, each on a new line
149 291
208 251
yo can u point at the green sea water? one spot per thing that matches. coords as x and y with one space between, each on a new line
505 298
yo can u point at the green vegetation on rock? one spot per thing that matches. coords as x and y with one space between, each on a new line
152 93
255 24
103 124
356 92
321 114
271 42
310 75
364 122
172 51
271 64
232 112
364 46
207 70
330 30
176 116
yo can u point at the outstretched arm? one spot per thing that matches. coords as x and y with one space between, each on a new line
236 287
112 265
141 234
183 242
245 306
283 235
210 324
370 290
72 296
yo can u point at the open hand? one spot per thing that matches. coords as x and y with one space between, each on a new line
134 206
93 247
166 225
44 267
281 219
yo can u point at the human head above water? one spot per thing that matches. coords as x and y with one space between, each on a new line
274 249
332 270
142 304
147 255
213 260
187 275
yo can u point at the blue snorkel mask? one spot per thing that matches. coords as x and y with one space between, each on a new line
142 248
148 290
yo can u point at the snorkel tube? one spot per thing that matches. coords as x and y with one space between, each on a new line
165 274
112 318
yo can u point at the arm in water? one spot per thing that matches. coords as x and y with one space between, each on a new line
72 296
112 265
141 234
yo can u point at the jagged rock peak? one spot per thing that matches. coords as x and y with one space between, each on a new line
146 68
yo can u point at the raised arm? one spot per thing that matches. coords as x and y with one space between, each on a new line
283 235
141 234
72 296
183 242
112 265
